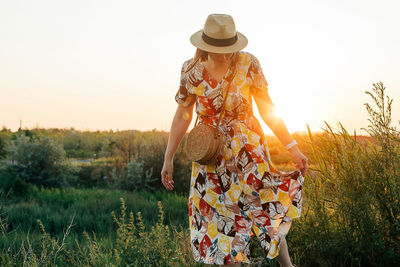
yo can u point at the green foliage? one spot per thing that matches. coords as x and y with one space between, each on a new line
138 178
45 254
96 173
39 160
116 147
352 212
134 177
12 186
380 120
136 243
5 135
90 207
3 151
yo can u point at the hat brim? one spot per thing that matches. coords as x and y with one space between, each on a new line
198 42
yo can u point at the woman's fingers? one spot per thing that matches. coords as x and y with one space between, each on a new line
300 164
166 175
167 180
164 181
170 179
305 166
170 182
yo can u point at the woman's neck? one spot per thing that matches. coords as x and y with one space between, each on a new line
217 64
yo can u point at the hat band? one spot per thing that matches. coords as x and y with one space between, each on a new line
219 42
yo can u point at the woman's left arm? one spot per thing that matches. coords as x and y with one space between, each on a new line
266 108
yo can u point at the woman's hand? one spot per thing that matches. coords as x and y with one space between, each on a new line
300 159
166 175
180 123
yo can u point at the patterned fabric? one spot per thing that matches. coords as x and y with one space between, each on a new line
242 193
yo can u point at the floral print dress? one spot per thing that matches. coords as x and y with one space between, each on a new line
242 193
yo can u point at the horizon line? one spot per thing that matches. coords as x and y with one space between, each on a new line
72 128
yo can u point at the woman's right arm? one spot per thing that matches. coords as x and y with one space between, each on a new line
183 117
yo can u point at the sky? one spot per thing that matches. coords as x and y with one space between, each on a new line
100 65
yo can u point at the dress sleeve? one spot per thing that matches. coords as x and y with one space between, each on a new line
258 81
184 96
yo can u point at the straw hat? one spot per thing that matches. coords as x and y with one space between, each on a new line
219 35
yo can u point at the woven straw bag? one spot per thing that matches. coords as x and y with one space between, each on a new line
204 144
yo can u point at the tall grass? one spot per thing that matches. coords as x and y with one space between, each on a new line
90 208
352 216
137 243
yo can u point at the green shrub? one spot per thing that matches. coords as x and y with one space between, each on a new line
39 160
134 177
3 152
13 186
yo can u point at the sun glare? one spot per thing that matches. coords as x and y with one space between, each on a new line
294 115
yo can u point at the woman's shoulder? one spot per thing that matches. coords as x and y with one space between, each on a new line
191 75
246 54
248 59
186 65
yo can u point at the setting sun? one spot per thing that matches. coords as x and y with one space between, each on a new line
293 112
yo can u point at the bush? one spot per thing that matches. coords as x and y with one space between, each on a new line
39 160
134 177
95 173
11 185
3 151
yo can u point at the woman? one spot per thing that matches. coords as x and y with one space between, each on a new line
241 193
